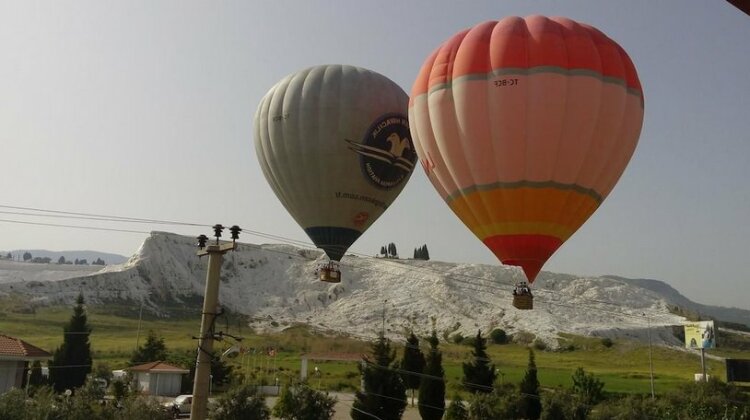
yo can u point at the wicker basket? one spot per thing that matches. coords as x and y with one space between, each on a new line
329 276
523 301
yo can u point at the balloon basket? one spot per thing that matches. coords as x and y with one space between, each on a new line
523 302
329 273
522 297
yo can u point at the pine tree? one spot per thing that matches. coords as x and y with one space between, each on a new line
416 254
384 393
530 405
383 252
425 253
432 386
479 374
71 361
151 351
413 361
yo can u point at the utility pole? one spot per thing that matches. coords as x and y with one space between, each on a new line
140 317
382 331
650 358
202 382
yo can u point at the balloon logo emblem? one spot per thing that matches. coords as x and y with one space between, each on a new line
386 153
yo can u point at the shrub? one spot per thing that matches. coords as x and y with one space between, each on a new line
563 405
303 403
457 338
242 402
539 345
457 410
607 342
498 336
502 403
587 387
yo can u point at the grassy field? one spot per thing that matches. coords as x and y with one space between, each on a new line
623 366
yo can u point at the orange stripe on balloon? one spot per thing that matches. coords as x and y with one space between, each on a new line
550 211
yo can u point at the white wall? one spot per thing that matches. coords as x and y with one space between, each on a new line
11 374
167 384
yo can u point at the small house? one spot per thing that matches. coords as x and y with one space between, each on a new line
15 355
158 378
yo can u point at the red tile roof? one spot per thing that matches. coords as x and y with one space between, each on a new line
16 348
157 367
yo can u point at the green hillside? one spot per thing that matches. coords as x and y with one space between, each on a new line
622 365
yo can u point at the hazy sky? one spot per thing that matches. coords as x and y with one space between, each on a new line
145 109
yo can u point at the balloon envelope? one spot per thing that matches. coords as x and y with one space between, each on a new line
333 142
524 125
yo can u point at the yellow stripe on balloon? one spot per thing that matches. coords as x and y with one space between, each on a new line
509 211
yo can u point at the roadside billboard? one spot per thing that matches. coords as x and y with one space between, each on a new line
700 335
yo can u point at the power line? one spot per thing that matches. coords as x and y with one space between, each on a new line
104 216
74 226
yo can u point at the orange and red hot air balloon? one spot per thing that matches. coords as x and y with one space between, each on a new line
524 126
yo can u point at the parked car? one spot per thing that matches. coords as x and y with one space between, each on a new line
180 405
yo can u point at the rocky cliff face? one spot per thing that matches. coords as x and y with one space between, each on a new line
275 286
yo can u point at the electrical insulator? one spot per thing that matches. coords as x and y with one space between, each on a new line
235 232
202 241
217 231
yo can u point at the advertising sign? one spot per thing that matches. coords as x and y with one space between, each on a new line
700 335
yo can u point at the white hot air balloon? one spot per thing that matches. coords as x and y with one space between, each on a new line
334 144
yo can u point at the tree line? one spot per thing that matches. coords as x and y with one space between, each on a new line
390 251
28 257
386 380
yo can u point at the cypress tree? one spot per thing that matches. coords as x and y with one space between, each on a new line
426 253
479 374
432 386
384 393
530 405
71 361
413 361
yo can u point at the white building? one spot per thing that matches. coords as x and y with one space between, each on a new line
157 378
15 355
